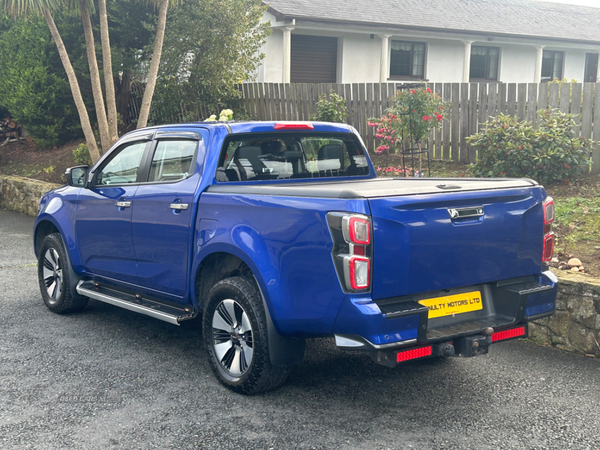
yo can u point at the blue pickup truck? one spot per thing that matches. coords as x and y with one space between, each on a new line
272 233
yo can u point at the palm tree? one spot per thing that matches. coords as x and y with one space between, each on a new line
109 83
46 8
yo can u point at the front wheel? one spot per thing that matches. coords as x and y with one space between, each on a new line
235 336
53 277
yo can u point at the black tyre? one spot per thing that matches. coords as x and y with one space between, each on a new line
53 276
235 335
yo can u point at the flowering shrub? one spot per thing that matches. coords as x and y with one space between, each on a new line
513 148
392 171
415 113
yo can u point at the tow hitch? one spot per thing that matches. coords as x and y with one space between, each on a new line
466 346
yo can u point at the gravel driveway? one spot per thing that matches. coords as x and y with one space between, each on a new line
109 378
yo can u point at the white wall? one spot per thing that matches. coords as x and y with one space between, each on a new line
517 63
444 61
574 68
360 60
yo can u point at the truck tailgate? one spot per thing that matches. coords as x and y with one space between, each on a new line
434 241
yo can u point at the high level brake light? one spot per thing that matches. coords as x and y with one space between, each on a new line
352 250
294 126
549 212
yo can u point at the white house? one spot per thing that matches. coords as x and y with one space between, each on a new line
365 41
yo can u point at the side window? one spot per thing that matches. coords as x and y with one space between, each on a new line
123 167
173 160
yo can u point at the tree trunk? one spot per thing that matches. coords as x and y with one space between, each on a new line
95 75
153 72
123 96
109 83
75 91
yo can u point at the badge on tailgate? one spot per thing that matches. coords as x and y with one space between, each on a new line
453 304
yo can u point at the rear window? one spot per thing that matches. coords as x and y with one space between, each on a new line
278 156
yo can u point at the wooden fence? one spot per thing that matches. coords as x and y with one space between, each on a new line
471 106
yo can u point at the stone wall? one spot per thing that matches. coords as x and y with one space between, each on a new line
22 194
575 326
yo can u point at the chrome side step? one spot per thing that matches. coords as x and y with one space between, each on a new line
166 313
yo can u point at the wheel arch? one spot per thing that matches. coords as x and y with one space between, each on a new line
44 227
221 264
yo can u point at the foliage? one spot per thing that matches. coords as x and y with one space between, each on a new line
224 116
510 147
33 87
332 110
82 155
209 47
414 113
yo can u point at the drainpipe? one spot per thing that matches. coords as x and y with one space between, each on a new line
384 62
467 62
538 63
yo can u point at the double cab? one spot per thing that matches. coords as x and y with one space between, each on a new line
270 233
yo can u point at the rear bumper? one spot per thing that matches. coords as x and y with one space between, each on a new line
401 323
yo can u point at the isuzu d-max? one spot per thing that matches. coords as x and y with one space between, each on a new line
279 232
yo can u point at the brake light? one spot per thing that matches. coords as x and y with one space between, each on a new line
352 249
508 334
359 269
414 353
549 214
294 126
548 211
548 247
356 230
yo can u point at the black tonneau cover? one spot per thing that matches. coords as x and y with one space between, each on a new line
373 188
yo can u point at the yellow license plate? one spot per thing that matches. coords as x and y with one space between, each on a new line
453 304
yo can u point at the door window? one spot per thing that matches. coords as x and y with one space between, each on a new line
172 160
122 167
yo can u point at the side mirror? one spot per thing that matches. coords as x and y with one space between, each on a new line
77 176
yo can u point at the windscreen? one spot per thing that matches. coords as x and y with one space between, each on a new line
277 156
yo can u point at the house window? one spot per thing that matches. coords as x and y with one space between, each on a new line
407 60
591 67
552 65
484 63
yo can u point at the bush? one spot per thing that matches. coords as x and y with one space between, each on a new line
332 110
33 87
82 155
509 147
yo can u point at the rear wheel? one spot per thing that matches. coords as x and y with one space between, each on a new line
235 336
53 277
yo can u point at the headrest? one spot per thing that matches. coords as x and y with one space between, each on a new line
331 151
247 152
271 147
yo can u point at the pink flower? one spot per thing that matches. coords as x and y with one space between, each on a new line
389 169
413 91
427 90
426 118
379 168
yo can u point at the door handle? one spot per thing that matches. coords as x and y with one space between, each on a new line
122 204
179 206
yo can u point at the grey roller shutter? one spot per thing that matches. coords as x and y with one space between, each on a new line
314 59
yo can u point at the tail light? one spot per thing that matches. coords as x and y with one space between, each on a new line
352 249
548 250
